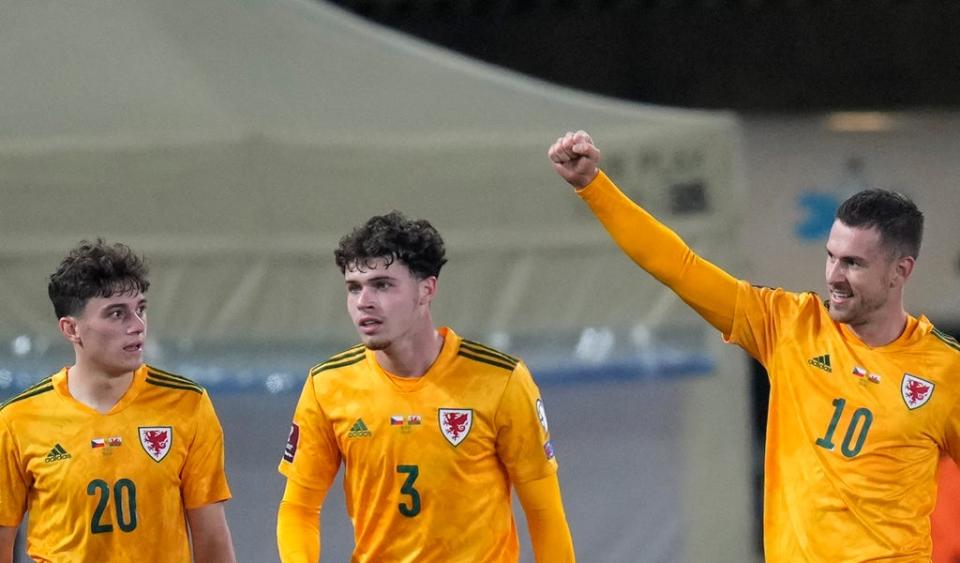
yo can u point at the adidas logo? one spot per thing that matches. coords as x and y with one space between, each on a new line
359 430
822 362
57 454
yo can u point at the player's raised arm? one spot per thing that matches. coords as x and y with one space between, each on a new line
654 247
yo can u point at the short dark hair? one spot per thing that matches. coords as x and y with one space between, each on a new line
897 218
95 269
417 244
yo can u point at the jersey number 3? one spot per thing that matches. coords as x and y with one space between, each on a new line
848 448
412 509
124 499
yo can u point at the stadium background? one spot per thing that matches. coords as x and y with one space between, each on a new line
233 142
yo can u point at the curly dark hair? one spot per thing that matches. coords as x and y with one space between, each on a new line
416 244
894 215
95 269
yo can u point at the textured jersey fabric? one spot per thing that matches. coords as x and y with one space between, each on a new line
114 486
428 461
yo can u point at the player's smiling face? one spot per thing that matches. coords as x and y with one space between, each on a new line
387 302
860 275
110 332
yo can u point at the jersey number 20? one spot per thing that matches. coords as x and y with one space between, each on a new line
124 499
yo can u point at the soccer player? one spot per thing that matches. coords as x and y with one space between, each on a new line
432 429
113 459
863 395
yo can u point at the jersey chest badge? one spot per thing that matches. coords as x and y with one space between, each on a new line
455 424
915 391
156 441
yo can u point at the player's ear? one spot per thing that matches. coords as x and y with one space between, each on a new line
427 288
904 268
69 329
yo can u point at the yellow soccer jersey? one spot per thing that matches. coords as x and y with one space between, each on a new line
110 487
854 432
429 460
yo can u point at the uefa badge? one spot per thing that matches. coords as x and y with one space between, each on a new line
455 424
156 441
542 415
915 391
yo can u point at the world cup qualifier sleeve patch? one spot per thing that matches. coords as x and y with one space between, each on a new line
292 441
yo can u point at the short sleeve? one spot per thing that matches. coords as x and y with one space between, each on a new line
523 434
763 316
204 480
13 482
311 456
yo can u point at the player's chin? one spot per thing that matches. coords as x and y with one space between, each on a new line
374 343
840 315
125 367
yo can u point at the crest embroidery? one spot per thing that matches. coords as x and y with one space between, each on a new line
455 424
915 391
156 441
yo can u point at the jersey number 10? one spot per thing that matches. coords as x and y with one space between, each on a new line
848 448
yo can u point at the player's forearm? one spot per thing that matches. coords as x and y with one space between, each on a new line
546 521
210 534
658 250
8 536
214 550
298 533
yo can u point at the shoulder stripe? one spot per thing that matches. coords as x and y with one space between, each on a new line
477 348
330 364
42 382
155 378
486 360
157 372
170 378
31 392
172 385
947 339
348 352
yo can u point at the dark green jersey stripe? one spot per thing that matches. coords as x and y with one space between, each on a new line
476 346
349 361
160 372
173 384
358 350
32 392
348 352
174 380
488 351
167 383
41 383
947 339
486 360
